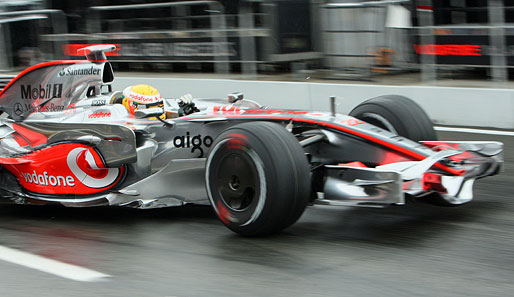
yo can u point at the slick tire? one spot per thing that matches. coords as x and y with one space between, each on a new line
258 178
396 114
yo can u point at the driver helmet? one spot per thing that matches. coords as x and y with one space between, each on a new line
142 96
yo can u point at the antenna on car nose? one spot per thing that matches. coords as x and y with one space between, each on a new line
333 105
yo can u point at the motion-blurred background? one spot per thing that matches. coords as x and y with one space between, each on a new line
358 40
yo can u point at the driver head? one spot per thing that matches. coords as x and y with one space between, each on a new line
142 96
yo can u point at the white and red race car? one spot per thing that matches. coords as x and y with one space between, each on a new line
65 139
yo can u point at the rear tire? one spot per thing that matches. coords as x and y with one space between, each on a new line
258 178
396 114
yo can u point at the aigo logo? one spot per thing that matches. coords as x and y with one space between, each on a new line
83 165
194 142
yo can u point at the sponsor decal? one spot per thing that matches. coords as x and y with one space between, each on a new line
72 108
227 109
41 92
79 155
68 169
18 108
50 107
79 70
48 180
195 143
98 102
143 98
99 115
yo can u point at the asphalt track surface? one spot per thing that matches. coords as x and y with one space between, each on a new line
413 250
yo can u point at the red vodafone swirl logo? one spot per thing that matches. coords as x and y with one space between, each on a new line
83 165
65 169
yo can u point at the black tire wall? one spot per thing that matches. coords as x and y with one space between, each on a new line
403 114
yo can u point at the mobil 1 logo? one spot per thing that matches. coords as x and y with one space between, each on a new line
48 91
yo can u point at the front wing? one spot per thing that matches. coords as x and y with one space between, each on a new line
387 184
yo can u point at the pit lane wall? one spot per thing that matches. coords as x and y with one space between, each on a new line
473 107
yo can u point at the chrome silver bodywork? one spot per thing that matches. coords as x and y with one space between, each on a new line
165 163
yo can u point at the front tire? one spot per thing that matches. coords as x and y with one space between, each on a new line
258 178
396 114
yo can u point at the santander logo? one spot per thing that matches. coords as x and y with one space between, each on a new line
88 173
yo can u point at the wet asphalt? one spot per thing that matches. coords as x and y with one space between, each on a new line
412 250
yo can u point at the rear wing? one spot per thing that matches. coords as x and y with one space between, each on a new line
53 86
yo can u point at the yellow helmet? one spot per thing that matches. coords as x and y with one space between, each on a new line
142 96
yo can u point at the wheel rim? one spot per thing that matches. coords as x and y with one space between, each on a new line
237 181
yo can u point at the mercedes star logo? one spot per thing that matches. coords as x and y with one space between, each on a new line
18 109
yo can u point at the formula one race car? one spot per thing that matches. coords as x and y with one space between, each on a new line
65 139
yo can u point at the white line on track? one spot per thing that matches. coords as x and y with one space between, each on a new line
61 269
478 131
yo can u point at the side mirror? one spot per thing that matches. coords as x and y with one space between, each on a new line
233 97
148 113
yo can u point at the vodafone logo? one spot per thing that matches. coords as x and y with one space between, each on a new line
66 169
143 98
81 160
48 180
99 114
